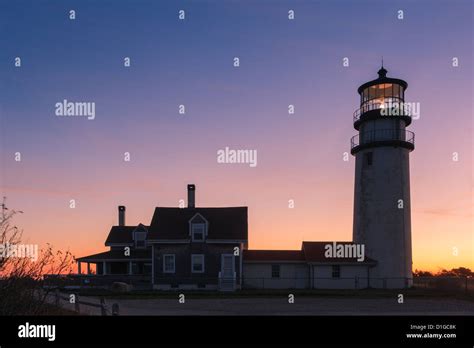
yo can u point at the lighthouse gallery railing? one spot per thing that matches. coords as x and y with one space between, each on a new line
403 109
382 135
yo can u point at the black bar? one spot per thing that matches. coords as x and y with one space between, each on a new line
291 330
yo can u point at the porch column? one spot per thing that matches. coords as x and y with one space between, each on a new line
79 267
104 268
241 260
88 268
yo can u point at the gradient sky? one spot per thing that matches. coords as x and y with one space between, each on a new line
189 62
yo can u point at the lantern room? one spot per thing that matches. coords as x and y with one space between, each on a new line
383 92
377 93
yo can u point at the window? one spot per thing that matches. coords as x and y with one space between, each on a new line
336 271
396 91
275 271
364 96
378 89
198 231
197 263
387 90
140 239
169 263
369 158
372 92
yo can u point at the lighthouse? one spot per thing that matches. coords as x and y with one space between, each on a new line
382 220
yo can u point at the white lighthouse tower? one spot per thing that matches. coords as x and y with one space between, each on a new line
382 219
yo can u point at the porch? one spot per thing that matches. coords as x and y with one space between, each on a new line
114 264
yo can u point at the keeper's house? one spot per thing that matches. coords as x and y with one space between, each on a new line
207 248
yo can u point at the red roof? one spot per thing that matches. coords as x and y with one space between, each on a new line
310 252
315 252
273 255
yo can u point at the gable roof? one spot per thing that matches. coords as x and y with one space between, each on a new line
314 252
123 234
223 223
273 255
198 219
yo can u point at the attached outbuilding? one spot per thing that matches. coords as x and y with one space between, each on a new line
308 268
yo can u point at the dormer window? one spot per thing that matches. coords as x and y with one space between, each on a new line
140 239
198 227
198 232
139 236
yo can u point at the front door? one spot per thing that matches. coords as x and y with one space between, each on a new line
227 266
227 280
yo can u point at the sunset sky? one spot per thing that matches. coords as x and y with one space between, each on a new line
190 62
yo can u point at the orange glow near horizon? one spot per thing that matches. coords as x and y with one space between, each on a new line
272 225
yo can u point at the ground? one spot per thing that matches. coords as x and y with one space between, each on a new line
280 306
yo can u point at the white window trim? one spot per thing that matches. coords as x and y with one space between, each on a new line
203 263
203 232
164 263
190 222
